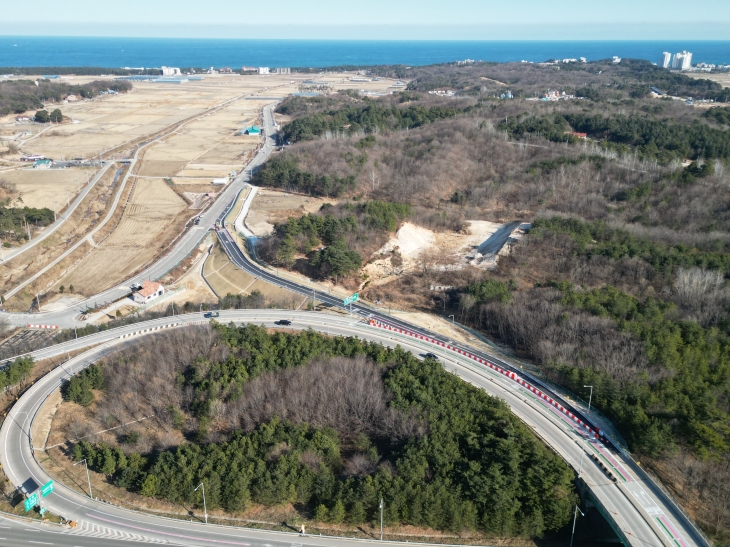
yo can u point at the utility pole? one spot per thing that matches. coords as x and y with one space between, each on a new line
87 475
453 325
314 296
590 398
205 509
38 299
381 519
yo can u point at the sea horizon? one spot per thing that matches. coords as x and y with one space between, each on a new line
118 52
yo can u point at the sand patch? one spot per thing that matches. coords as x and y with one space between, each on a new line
416 247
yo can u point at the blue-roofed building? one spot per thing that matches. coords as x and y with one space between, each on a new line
253 130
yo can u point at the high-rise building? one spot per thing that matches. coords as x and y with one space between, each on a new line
666 60
682 61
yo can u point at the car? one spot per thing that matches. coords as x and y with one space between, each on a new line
211 314
431 356
282 322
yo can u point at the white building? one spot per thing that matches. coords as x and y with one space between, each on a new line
666 60
616 59
281 71
149 291
263 70
682 61
170 71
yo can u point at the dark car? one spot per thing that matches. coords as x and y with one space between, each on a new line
431 356
282 322
211 314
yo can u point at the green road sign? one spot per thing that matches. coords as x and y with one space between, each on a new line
350 299
31 502
43 510
47 488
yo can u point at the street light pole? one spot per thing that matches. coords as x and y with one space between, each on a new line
381 519
88 479
205 509
575 516
590 398
453 321
580 466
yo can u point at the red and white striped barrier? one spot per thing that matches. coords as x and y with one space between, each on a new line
152 329
511 375
43 326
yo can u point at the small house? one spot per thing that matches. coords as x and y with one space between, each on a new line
72 98
253 130
149 291
42 164
22 119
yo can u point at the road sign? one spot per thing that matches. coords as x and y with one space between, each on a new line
31 502
47 488
43 510
350 299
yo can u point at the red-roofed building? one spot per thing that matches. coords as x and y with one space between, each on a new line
149 291
579 135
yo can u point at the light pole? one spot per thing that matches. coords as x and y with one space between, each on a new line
381 519
205 509
583 453
590 398
87 475
575 516
453 321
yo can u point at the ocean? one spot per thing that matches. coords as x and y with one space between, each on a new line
154 52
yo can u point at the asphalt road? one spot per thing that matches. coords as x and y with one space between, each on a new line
641 518
188 241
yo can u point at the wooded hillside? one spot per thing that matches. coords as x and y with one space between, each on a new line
329 424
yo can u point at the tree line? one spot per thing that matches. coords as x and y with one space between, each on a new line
19 96
371 118
471 464
660 139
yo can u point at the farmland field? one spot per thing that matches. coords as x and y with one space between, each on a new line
47 187
152 209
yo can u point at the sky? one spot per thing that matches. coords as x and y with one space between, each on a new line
374 19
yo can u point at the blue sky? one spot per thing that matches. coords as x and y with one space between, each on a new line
407 19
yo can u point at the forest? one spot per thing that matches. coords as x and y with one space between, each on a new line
371 118
329 424
621 283
660 140
19 96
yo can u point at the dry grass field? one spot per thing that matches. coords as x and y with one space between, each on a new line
225 278
270 206
141 233
51 188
